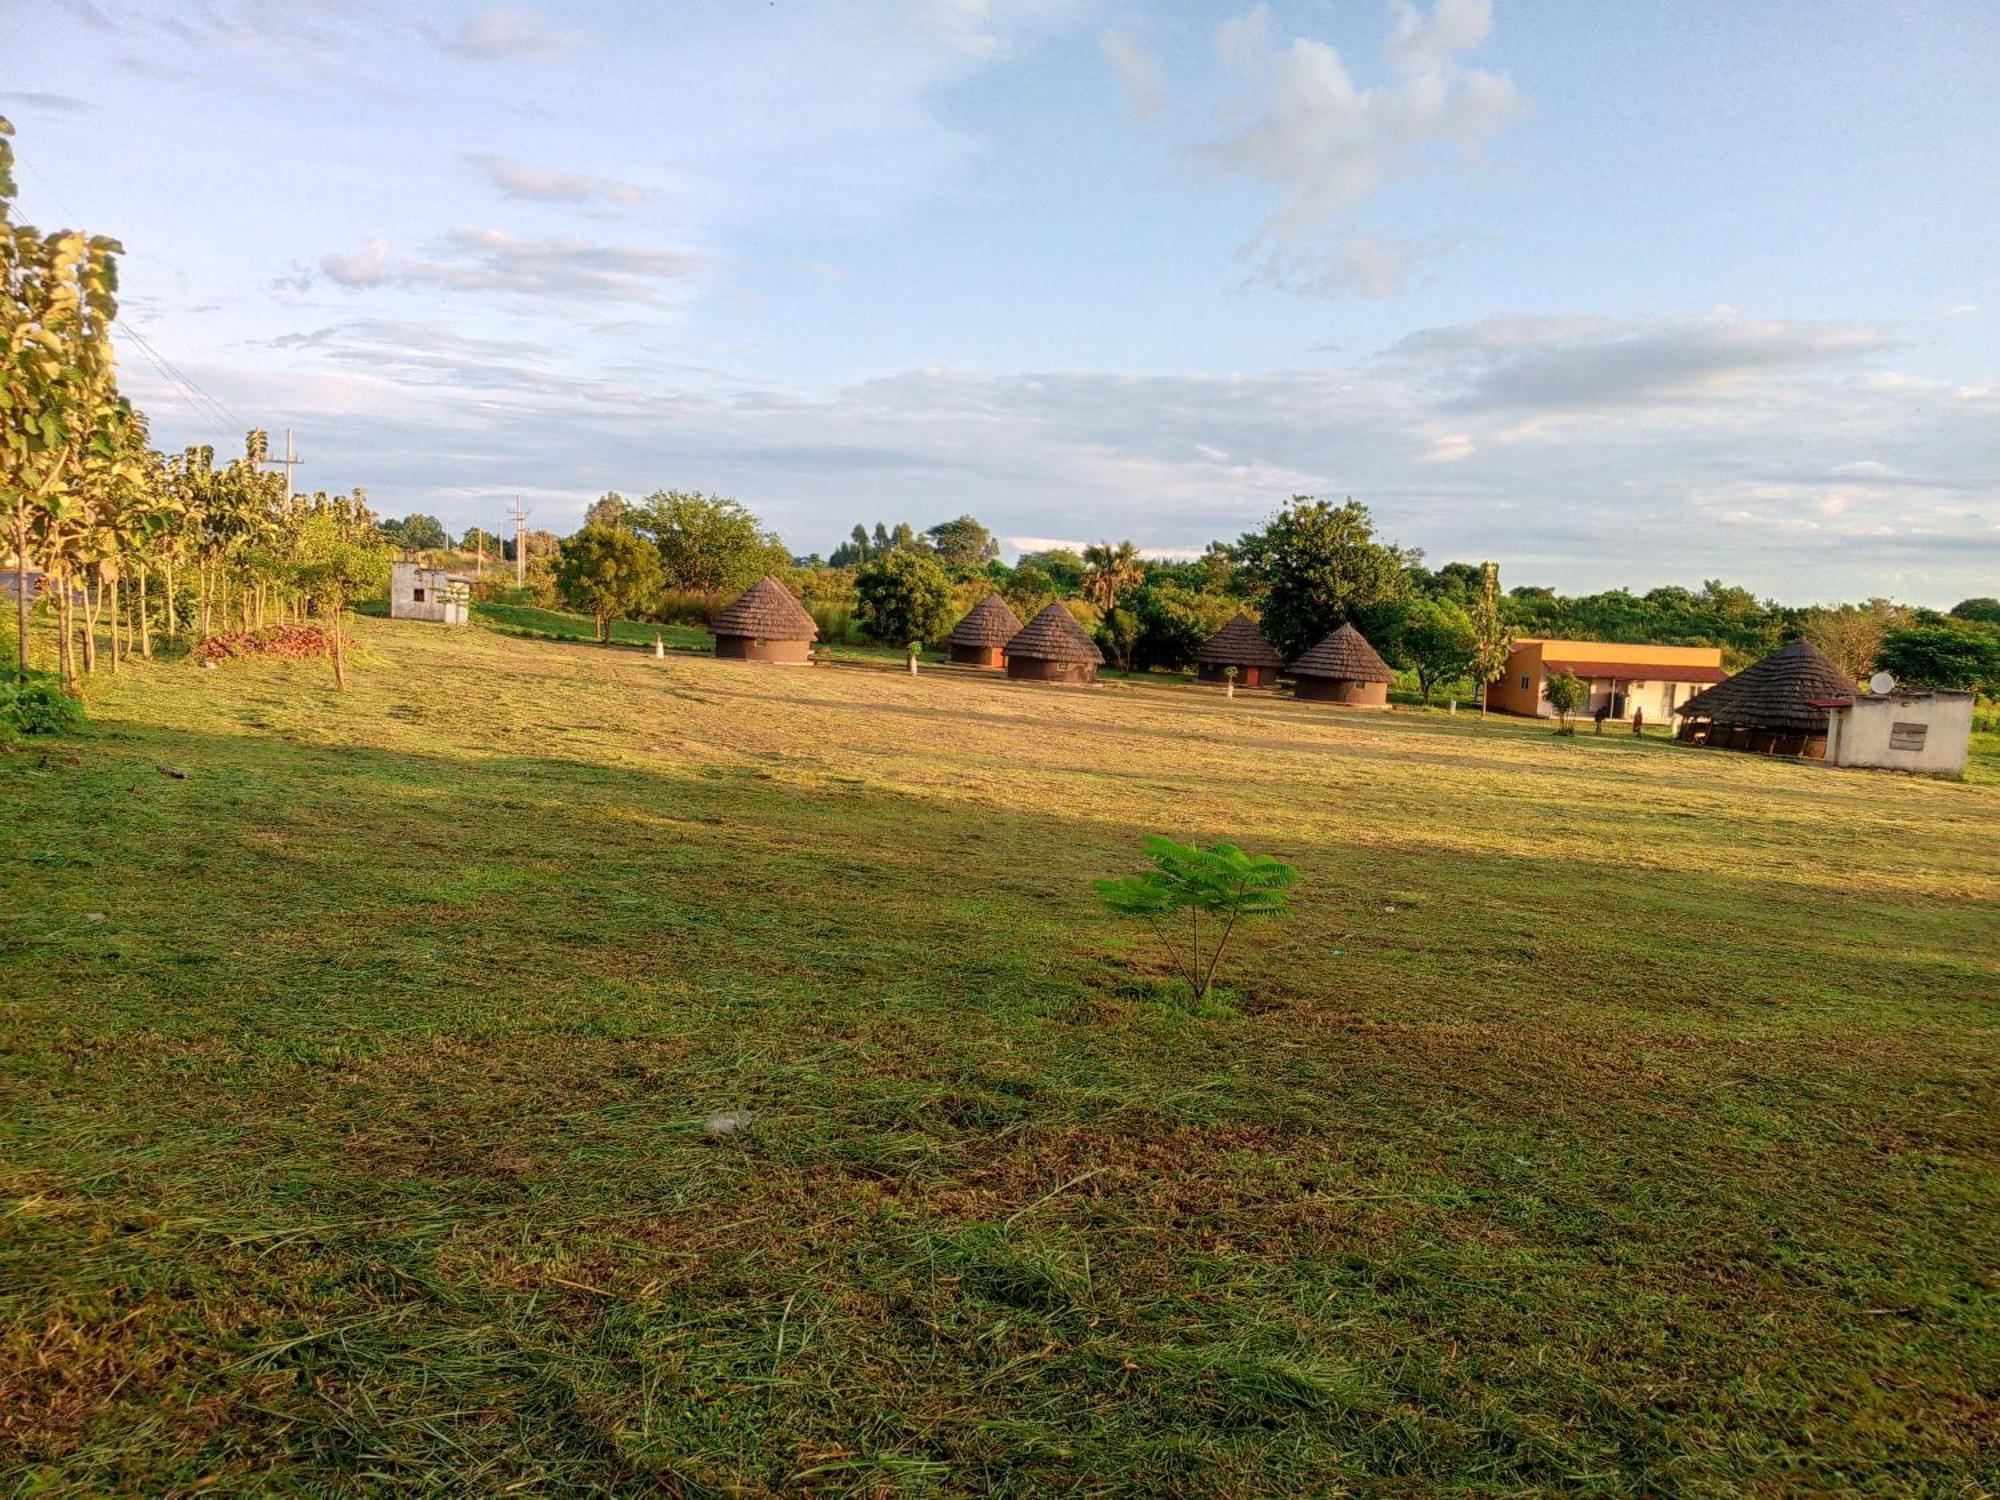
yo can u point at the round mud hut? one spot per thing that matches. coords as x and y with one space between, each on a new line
1776 707
765 624
1053 648
1239 644
1343 668
980 639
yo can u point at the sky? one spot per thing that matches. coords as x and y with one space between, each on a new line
1617 296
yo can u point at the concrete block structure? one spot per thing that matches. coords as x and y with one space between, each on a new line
418 591
1926 732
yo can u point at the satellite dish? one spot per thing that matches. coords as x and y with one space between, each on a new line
1881 683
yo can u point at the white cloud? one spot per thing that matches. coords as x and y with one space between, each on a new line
1363 265
1325 143
489 260
1138 73
517 179
505 31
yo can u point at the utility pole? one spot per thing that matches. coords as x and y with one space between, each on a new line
520 543
289 462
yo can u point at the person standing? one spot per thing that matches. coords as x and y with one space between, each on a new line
1638 721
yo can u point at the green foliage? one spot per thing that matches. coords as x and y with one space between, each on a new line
607 572
1063 567
1983 610
1961 657
1492 641
1118 635
1717 614
1110 572
1317 565
609 509
904 595
963 543
1566 693
1438 643
1176 618
417 533
40 705
1030 590
707 543
1220 882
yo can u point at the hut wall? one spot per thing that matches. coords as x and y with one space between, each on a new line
1339 690
1927 732
748 648
1246 677
978 656
1034 669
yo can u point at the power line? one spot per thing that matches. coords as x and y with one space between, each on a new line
194 393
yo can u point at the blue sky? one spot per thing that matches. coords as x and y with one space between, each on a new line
1612 294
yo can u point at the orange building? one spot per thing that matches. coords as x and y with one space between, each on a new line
1652 679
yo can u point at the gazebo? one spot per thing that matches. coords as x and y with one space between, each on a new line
1053 648
1775 707
1239 644
765 624
980 639
1344 668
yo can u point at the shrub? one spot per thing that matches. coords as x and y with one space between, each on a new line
39 706
1221 881
904 596
1566 693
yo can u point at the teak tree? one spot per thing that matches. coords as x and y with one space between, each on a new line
1220 881
1566 693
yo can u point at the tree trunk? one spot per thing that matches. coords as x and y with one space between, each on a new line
21 592
65 647
114 586
338 647
90 605
168 624
145 621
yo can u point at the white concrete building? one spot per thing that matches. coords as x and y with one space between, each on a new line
418 592
1900 731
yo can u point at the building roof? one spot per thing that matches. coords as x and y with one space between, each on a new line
988 623
1239 644
1344 656
1054 635
766 611
1632 671
1778 692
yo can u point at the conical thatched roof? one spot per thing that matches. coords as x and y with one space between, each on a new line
1344 656
1775 693
766 611
1054 635
988 623
1239 644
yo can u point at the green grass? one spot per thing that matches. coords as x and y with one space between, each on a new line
1613 1117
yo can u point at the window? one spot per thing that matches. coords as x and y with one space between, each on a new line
1907 736
418 595
1527 682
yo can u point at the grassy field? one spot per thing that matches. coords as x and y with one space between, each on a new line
1612 1117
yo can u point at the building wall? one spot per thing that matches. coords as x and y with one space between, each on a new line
978 656
1340 690
1867 734
747 648
408 580
1246 677
1519 689
1034 669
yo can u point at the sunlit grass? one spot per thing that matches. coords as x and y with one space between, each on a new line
1611 1117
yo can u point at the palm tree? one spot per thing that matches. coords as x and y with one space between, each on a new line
1108 572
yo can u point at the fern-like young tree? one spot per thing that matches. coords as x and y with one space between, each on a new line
1220 882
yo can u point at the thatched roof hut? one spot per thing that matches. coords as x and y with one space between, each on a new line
1775 707
765 624
1239 644
1053 648
1344 668
980 639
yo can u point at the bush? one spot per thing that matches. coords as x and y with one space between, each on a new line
39 706
291 642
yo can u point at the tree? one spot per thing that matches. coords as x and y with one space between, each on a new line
1954 657
1983 610
1175 620
607 573
1220 881
708 544
963 543
1063 568
1566 693
417 533
1030 591
903 596
1109 571
335 569
1852 634
1318 564
1438 642
1492 641
1118 633
608 509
